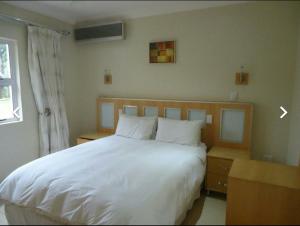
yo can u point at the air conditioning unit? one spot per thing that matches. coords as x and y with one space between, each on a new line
103 32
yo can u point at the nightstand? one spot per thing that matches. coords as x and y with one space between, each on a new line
268 190
90 137
219 161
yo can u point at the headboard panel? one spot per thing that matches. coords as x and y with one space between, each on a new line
231 123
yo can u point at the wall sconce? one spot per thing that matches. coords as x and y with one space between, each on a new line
241 78
107 77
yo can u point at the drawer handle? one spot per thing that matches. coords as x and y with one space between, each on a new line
224 168
220 183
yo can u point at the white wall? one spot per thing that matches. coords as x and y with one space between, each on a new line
19 142
293 157
72 82
212 44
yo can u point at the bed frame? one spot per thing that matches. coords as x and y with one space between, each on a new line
228 124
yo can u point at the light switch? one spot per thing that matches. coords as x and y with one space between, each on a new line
209 119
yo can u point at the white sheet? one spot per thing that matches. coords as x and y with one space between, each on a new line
114 180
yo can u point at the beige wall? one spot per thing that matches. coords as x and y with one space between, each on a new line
19 142
212 44
293 157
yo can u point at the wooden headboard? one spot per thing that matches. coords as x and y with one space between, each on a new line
228 124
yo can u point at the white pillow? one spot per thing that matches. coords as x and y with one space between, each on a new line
136 127
179 131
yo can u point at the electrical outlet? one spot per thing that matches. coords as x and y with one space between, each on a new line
234 95
268 157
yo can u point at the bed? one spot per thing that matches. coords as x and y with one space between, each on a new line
153 177
114 180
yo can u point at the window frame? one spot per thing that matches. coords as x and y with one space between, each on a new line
13 81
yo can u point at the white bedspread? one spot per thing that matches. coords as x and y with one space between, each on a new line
113 180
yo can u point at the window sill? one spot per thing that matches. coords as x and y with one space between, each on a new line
10 121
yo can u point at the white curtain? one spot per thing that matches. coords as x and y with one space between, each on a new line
45 67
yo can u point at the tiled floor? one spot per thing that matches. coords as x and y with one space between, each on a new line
213 212
207 210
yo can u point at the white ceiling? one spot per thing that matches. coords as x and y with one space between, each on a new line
78 11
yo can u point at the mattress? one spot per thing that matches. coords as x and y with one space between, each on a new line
114 180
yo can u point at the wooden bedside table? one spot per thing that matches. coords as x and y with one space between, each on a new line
263 193
219 161
92 136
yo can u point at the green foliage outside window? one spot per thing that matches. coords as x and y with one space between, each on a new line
4 63
4 70
4 92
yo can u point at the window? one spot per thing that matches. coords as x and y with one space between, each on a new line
10 100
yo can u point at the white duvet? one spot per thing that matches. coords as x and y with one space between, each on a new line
114 180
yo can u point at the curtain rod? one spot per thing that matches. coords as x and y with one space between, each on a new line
28 22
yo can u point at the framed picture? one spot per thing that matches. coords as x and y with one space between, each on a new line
162 52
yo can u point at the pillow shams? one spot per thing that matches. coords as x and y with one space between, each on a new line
136 127
179 131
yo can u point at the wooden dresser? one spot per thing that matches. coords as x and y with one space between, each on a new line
92 136
262 193
219 161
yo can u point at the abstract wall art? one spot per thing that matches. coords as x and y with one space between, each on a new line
162 52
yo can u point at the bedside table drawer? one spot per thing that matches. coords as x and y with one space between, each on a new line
216 182
219 166
81 140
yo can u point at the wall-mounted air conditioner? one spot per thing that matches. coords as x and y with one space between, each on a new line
103 32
